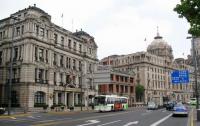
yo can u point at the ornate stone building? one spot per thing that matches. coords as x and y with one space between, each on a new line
50 64
153 70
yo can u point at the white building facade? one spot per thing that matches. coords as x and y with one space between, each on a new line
51 65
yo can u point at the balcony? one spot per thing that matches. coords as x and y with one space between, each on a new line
14 80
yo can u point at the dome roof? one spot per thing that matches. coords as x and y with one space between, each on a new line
160 48
158 43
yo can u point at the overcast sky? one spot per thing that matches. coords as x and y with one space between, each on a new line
118 26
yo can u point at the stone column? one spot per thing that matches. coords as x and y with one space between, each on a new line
56 97
65 98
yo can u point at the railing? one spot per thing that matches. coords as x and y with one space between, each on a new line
41 81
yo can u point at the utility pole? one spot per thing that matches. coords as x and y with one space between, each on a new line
195 70
81 86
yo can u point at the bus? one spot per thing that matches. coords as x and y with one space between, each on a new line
104 103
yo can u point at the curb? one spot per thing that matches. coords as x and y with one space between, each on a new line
13 116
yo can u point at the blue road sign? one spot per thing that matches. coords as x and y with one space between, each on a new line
180 76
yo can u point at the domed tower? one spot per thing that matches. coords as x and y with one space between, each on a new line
160 48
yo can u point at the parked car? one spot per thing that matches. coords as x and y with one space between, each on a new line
170 105
152 106
180 110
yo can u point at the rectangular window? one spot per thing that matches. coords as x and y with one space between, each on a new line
36 53
61 61
15 54
55 38
41 55
42 32
37 30
80 66
54 78
74 64
90 50
22 29
40 75
46 56
69 63
67 79
74 46
80 48
18 31
1 36
90 68
47 33
69 43
4 34
1 57
55 58
62 41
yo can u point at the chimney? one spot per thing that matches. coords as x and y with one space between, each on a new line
34 5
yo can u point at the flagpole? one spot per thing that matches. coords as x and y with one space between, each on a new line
62 19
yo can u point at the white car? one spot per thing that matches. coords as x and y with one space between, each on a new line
152 106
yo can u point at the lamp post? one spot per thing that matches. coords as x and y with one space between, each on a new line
81 86
195 70
11 63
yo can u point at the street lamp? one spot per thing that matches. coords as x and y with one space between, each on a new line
195 70
11 63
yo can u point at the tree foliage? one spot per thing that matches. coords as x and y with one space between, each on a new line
139 89
190 9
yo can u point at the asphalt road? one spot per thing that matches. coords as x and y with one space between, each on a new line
131 117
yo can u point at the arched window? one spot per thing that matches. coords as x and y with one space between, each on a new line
39 97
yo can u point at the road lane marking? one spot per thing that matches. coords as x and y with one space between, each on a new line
192 118
46 121
13 118
130 123
109 123
161 120
90 122
86 118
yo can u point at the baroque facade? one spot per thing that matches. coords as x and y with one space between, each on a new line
153 70
51 65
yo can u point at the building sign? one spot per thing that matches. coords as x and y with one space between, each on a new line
180 76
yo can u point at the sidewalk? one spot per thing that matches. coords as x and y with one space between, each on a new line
196 123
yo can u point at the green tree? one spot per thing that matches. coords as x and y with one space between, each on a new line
190 9
139 92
